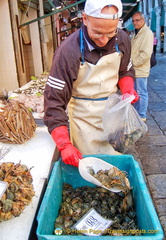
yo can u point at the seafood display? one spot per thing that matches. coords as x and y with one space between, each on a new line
77 202
31 95
112 178
36 86
17 124
124 141
33 102
19 192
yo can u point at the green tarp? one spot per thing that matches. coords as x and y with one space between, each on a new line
153 21
162 17
130 27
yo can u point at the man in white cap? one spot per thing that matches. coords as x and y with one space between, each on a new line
90 65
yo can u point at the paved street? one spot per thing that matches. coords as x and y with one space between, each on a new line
150 150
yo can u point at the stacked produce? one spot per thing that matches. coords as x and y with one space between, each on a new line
19 192
17 124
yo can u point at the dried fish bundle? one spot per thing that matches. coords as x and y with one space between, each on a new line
19 192
112 178
77 202
17 124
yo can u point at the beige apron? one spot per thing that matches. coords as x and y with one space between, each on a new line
85 115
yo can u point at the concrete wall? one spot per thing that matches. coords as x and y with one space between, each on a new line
8 73
35 42
28 61
50 47
31 58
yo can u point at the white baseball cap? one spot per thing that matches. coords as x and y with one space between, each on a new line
93 8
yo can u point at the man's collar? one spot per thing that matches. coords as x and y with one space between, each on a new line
139 30
91 48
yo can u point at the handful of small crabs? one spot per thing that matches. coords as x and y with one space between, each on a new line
19 192
114 178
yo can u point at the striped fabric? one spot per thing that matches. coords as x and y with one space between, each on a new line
55 83
129 65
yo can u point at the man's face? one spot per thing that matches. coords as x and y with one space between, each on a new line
138 21
101 30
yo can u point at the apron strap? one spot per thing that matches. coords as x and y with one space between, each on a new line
91 99
116 45
82 46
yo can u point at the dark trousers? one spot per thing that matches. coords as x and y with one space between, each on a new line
154 49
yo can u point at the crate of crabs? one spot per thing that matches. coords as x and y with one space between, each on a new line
84 204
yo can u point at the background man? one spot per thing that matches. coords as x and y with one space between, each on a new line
142 47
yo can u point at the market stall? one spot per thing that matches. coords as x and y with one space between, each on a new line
36 153
24 140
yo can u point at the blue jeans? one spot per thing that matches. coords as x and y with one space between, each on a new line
142 104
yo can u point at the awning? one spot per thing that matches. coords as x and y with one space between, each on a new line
162 17
129 7
153 21
130 27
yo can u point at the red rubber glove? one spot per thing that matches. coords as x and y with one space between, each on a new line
70 154
126 85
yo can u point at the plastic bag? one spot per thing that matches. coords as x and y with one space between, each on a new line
121 123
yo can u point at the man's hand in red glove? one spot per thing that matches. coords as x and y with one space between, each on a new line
70 154
126 85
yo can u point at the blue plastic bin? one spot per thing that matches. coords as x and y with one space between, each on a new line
147 219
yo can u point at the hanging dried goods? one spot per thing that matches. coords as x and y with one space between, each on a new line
19 192
17 124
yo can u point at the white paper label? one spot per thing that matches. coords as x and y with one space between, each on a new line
92 224
4 151
3 187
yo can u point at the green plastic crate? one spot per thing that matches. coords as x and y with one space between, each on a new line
147 218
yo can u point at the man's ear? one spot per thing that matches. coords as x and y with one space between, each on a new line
85 18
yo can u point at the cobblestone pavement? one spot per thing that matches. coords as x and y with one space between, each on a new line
150 150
